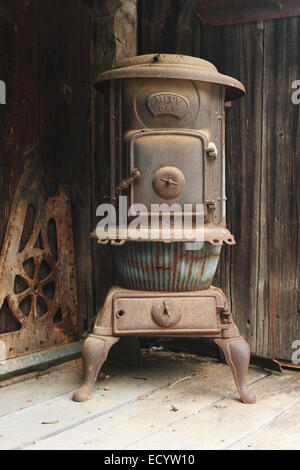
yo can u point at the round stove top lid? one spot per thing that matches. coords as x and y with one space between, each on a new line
175 66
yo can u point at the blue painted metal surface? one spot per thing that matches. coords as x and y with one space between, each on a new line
159 266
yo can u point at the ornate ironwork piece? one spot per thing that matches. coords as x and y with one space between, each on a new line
37 274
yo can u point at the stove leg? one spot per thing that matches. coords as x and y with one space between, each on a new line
237 355
94 354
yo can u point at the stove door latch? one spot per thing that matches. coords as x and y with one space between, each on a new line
211 207
212 151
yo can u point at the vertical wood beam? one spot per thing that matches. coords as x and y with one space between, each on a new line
169 26
113 38
238 51
19 117
281 152
64 154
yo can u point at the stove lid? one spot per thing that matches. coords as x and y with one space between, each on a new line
173 66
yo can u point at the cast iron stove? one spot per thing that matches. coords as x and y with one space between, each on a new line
165 131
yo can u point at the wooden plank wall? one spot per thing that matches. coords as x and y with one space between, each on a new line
113 38
44 57
50 53
261 274
19 121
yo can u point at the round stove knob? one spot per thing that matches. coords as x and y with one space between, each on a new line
165 313
169 182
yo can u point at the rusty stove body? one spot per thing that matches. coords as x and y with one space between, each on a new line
165 128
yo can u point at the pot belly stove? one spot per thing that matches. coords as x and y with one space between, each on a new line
164 118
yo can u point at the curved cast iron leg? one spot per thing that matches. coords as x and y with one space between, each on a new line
237 355
94 354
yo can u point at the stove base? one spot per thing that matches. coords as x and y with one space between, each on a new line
141 313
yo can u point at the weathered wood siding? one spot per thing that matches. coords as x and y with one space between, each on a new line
50 53
64 125
113 38
44 61
19 121
261 274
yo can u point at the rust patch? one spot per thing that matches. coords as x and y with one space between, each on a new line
37 269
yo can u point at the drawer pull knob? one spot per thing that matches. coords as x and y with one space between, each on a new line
166 314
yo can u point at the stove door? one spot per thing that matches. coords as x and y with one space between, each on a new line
173 168
169 314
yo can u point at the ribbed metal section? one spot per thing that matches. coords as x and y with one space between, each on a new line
166 267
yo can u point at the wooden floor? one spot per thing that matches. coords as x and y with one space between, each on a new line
144 407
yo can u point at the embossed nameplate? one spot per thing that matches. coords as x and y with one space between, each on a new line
168 103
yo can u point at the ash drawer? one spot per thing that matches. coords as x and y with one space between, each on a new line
165 315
